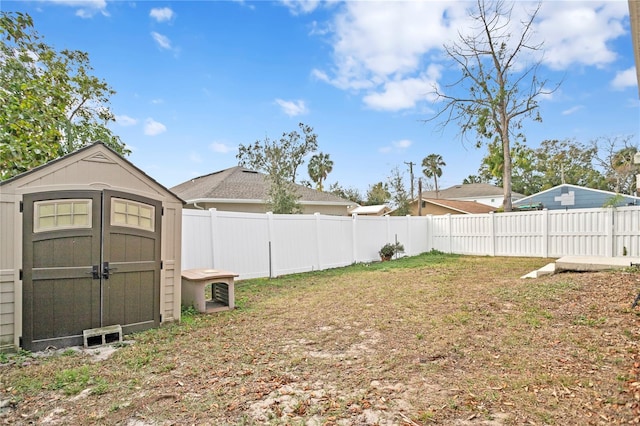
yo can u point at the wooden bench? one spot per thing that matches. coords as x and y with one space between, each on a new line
194 285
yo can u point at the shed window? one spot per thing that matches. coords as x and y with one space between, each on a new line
61 214
132 214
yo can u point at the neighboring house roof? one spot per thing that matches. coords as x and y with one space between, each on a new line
377 210
468 207
574 196
237 185
468 190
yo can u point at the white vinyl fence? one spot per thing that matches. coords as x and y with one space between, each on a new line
267 245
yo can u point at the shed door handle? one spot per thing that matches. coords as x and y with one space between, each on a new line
106 270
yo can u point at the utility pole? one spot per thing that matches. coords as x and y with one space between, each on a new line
411 164
419 196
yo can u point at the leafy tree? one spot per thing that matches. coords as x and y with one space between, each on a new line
473 179
399 194
378 194
567 161
524 179
283 156
615 156
282 197
320 165
350 193
280 160
553 163
432 168
500 89
51 104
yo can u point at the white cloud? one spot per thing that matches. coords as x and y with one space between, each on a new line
624 79
301 7
399 145
292 108
221 147
580 32
572 110
245 4
162 41
86 8
153 128
125 120
161 14
403 94
402 144
381 49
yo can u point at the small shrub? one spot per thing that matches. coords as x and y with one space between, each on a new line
390 249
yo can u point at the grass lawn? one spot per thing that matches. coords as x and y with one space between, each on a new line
431 339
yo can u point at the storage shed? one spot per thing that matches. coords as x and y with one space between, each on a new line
87 241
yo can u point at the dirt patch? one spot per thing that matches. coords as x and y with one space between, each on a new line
452 340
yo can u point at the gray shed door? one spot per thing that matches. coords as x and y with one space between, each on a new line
90 259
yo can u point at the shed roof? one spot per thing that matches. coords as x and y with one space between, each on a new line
96 153
238 183
371 210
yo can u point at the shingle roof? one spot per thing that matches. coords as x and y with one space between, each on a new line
467 190
239 183
471 207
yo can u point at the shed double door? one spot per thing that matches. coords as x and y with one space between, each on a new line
90 259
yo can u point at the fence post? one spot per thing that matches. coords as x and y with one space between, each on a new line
318 236
449 232
408 250
271 233
429 232
354 237
492 234
545 233
215 240
610 237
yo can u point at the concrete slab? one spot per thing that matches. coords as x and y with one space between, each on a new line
594 263
584 264
548 269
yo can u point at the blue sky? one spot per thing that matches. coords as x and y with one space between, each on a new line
194 79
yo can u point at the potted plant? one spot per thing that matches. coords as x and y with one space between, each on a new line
389 250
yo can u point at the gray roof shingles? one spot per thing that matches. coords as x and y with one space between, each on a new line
239 183
467 191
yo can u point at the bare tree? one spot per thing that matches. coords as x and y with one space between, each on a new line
501 89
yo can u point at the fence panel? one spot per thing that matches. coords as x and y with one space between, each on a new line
580 232
627 232
519 234
294 244
197 240
418 239
440 227
335 241
369 235
471 235
241 243
260 245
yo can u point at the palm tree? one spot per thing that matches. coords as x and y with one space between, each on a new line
432 168
319 167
